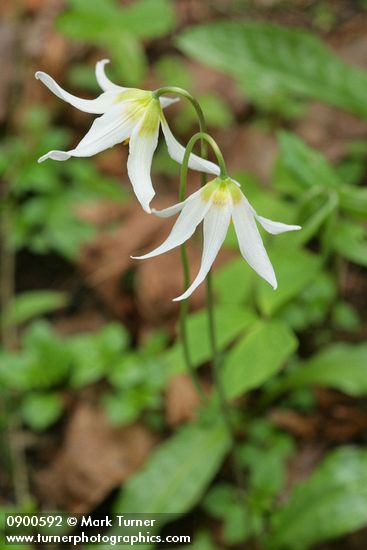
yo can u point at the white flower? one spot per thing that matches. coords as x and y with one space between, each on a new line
216 203
128 114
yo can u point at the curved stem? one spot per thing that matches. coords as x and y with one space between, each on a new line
213 144
205 139
184 306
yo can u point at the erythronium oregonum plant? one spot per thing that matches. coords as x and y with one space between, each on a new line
128 114
133 115
217 203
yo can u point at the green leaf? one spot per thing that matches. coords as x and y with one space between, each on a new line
90 20
222 503
330 504
171 68
178 473
350 240
234 275
265 455
309 166
273 62
148 18
41 410
216 111
93 354
340 366
257 357
353 200
230 322
32 304
294 272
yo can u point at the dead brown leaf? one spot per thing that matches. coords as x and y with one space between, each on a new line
182 400
94 459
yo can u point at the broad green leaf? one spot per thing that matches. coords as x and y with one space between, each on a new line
96 21
272 62
41 410
293 271
309 166
234 282
340 366
171 68
330 504
148 18
178 473
318 218
354 200
350 240
32 304
230 322
265 201
257 357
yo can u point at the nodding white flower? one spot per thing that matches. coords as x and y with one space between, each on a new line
216 203
128 115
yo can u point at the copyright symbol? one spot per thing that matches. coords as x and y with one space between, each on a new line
72 521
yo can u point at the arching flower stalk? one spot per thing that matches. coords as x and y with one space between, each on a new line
216 204
128 115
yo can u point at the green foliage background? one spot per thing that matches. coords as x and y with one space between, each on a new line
278 70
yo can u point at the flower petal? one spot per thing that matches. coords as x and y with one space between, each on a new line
96 106
250 242
113 127
103 80
276 227
167 101
177 151
170 211
192 214
174 209
143 143
216 224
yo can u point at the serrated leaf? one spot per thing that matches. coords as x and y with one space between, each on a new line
274 61
340 366
178 473
257 357
330 504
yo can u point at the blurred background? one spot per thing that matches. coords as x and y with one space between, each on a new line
94 400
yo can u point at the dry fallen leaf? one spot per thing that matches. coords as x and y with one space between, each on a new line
94 459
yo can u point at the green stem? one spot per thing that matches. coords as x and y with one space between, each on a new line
224 405
205 139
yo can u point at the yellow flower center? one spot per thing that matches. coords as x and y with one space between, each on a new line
221 192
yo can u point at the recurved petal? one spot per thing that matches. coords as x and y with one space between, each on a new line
192 214
216 224
96 106
103 81
177 151
143 143
174 209
276 227
250 242
113 127
167 101
170 211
